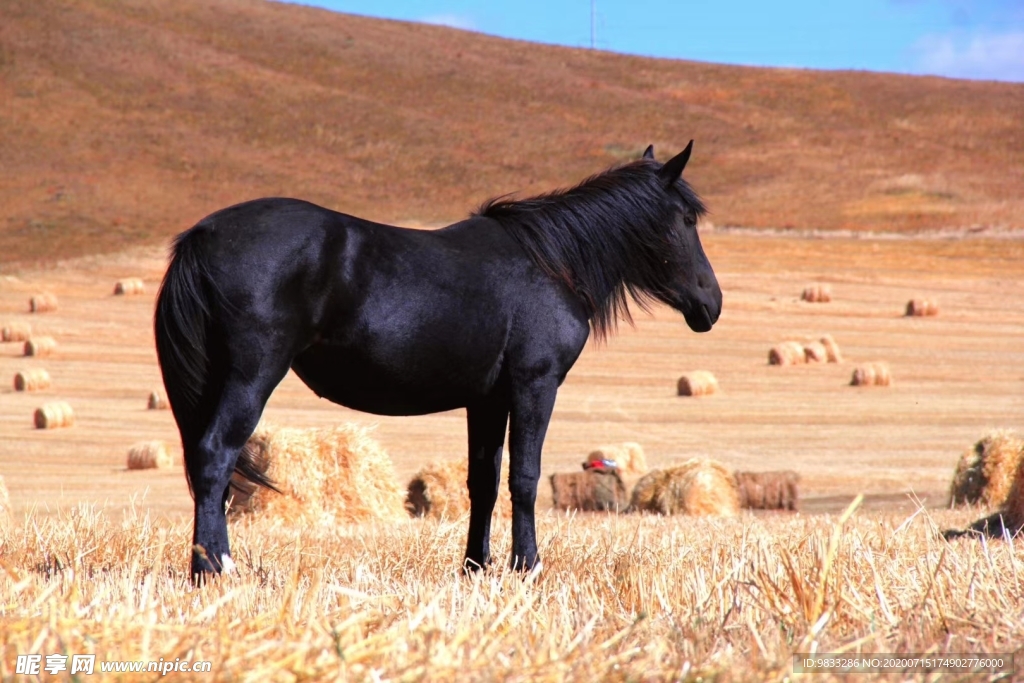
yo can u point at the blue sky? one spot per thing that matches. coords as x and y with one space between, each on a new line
958 38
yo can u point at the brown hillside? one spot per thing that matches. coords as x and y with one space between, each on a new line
126 121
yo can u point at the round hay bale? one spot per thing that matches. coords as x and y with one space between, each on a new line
42 303
774 490
628 456
697 383
157 400
831 349
150 455
700 487
440 491
330 475
817 294
16 332
128 286
590 491
1013 506
815 352
986 472
787 353
922 307
35 379
54 415
40 346
871 374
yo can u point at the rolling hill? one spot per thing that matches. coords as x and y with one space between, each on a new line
125 121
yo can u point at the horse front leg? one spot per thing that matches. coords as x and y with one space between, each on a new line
487 422
531 411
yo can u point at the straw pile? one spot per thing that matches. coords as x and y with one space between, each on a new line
590 491
330 475
129 285
871 374
815 352
35 379
41 303
40 346
697 487
54 415
817 294
787 353
1013 506
919 307
697 383
832 353
628 456
150 455
440 491
16 332
778 490
157 400
987 472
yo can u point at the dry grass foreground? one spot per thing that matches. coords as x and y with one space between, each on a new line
619 598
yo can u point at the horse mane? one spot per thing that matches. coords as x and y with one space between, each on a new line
609 234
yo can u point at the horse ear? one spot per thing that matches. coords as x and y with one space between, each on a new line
649 152
673 168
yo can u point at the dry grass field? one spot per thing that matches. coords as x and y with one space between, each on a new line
96 559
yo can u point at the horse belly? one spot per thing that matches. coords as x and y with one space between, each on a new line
362 382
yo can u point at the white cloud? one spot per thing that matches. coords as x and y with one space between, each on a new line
452 20
995 56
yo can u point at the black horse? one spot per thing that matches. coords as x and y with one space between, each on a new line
488 314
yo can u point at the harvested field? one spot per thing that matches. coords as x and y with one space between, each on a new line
624 390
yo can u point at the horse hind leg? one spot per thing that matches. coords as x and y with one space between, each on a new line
487 423
211 462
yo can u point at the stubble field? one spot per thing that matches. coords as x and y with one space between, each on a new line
96 556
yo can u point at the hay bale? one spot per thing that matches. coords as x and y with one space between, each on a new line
16 332
440 491
157 400
330 475
628 456
42 303
815 352
871 374
986 472
697 383
699 487
817 294
590 491
40 346
832 353
54 415
787 353
128 286
775 490
921 307
150 455
35 379
1013 506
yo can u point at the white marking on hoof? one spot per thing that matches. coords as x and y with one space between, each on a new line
227 565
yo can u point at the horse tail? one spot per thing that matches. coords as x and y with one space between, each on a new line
182 326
